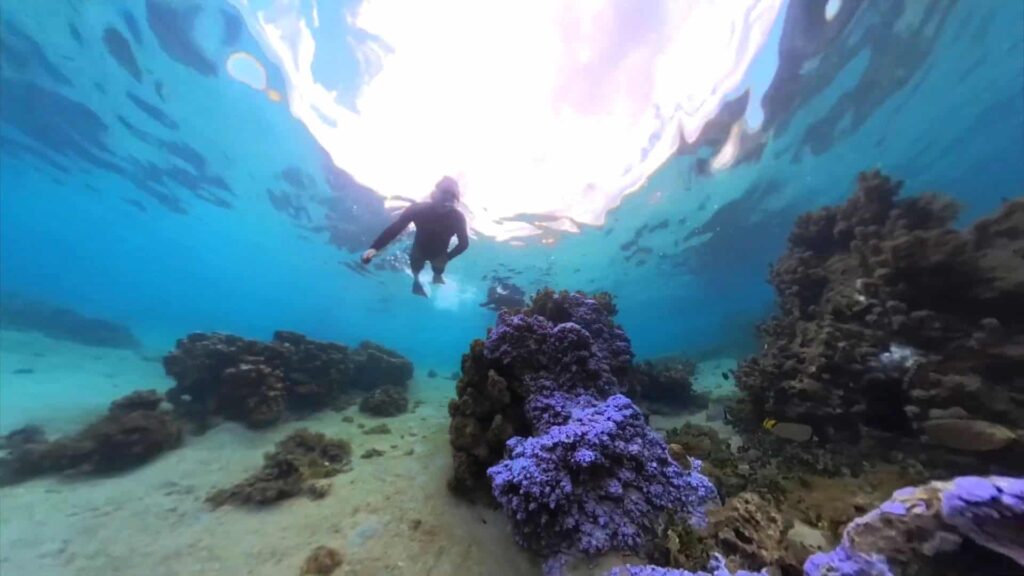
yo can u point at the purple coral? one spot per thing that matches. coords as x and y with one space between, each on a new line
597 483
917 522
716 567
593 477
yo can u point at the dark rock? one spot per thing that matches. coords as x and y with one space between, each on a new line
290 470
431 373
378 429
385 401
372 453
322 561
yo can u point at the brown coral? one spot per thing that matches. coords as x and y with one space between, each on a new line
291 469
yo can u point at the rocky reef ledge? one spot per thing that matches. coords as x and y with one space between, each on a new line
221 376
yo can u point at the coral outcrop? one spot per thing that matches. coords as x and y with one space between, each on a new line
569 458
132 433
293 468
891 321
665 386
259 383
385 401
969 525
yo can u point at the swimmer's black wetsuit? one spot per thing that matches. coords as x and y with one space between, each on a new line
436 223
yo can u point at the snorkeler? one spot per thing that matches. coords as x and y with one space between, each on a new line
437 220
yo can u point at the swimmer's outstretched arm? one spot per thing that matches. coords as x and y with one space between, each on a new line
390 233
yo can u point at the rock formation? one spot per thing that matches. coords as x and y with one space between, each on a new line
891 321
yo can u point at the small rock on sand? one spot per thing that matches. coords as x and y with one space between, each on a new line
322 561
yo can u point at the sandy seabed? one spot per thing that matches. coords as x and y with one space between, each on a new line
390 515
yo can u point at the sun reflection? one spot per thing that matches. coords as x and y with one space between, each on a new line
547 107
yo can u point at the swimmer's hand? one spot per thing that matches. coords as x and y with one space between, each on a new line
368 256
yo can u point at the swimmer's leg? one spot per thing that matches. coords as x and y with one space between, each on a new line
438 265
416 262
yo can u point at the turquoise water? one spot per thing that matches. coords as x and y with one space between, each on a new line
146 183
162 221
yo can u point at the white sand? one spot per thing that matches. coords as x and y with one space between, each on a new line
152 521
67 384
709 376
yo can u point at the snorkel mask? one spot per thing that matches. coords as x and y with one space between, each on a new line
446 191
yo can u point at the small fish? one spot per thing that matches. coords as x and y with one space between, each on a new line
725 375
788 430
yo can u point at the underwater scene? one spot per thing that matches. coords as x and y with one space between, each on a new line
550 287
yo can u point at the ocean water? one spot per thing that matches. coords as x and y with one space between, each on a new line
174 167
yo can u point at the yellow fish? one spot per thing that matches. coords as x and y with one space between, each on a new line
788 430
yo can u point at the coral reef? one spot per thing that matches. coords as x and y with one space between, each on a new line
258 383
291 469
322 561
894 324
665 386
570 459
967 525
21 313
132 433
385 401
